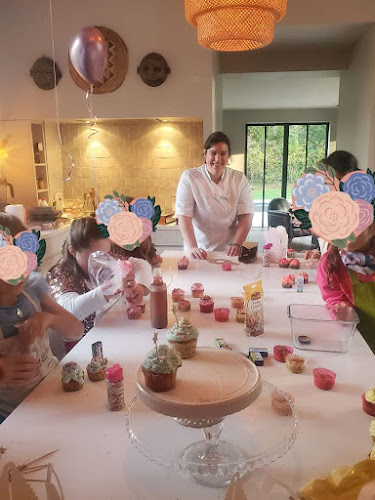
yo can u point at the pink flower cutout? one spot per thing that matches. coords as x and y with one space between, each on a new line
147 228
13 263
334 216
125 228
366 216
32 262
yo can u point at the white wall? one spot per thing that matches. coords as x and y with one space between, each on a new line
145 26
356 115
235 122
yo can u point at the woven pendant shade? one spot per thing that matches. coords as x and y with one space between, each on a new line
234 25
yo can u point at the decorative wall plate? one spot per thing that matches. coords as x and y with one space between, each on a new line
42 73
116 69
153 69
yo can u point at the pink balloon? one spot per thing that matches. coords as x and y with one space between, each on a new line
88 53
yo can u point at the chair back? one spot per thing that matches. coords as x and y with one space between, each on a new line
279 204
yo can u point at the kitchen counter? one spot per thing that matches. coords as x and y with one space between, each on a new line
167 237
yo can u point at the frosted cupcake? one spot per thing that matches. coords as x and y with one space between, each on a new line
368 402
183 338
178 294
160 368
237 302
206 304
72 377
96 369
197 290
184 305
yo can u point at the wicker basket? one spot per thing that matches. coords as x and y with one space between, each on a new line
234 25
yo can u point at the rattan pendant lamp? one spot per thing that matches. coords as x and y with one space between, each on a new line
234 25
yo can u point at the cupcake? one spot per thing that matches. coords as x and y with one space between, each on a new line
160 368
324 379
206 304
284 262
183 338
197 290
183 263
237 302
240 315
178 294
72 377
368 402
134 312
294 264
280 405
280 352
295 363
288 281
184 305
305 276
96 369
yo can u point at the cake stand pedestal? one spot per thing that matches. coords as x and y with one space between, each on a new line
211 386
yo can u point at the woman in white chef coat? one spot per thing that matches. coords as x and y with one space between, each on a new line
214 203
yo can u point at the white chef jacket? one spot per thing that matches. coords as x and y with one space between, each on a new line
213 208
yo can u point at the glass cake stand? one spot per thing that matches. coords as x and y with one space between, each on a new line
256 433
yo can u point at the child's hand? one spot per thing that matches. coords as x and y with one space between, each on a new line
343 312
128 282
17 369
135 295
34 326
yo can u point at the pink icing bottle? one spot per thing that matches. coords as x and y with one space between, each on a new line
158 300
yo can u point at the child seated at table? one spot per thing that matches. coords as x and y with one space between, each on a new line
347 278
70 283
27 312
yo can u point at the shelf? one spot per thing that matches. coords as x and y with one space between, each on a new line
40 164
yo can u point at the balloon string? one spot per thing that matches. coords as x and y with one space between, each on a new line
69 176
93 132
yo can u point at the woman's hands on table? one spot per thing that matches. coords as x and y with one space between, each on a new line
233 250
198 253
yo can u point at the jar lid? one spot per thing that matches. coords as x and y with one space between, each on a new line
114 373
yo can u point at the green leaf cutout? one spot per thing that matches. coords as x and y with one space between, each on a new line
16 281
41 251
115 193
340 243
341 186
303 217
123 197
7 231
103 230
352 238
131 247
108 197
331 172
156 217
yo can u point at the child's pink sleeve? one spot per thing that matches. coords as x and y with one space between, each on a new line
341 292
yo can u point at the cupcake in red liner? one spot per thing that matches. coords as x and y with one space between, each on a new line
368 402
197 290
184 305
280 352
294 264
324 379
178 294
221 314
284 262
134 312
237 302
183 263
206 304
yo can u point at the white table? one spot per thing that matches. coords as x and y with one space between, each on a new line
96 459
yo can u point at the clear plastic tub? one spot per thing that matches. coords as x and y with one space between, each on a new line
314 329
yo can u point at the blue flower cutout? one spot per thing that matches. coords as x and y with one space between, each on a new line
106 209
2 241
27 242
360 187
143 208
307 189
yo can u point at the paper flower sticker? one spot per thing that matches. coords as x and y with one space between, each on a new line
127 225
334 216
21 255
307 188
359 186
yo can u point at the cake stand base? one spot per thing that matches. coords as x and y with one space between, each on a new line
217 468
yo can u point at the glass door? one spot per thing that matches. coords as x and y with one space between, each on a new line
276 155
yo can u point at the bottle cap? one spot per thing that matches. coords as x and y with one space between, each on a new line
114 373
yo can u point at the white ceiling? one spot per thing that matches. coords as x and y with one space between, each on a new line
309 89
